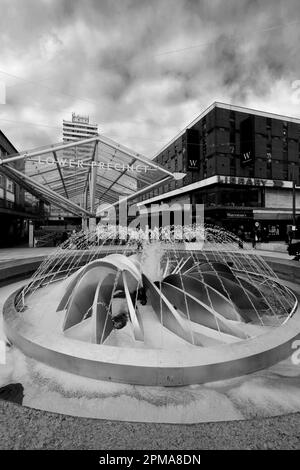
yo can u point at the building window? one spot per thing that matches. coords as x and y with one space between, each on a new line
10 185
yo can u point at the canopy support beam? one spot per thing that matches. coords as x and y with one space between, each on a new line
60 174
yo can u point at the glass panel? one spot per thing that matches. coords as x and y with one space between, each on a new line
119 171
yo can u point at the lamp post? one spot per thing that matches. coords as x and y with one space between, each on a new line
294 202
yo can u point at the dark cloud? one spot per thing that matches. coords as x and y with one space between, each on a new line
142 69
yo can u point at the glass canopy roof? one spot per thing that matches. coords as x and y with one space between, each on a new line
79 176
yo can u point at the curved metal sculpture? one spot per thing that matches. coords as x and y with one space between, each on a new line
92 290
166 315
202 303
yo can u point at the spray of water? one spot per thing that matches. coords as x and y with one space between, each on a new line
190 283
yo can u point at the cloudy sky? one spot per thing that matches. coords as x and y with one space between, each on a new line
143 69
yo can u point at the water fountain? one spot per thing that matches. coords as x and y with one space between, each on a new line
149 309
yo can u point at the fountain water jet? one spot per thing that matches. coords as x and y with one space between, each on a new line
184 315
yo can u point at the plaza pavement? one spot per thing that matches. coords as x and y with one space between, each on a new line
25 428
278 250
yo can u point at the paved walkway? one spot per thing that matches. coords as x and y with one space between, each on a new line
25 428
8 254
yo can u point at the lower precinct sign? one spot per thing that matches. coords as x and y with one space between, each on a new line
244 181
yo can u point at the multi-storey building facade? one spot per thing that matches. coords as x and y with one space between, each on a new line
240 163
17 206
78 128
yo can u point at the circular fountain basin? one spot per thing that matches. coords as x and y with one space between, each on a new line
154 373
177 366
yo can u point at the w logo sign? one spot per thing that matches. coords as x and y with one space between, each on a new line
246 157
193 164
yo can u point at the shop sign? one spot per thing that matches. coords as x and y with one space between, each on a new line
247 157
250 181
239 215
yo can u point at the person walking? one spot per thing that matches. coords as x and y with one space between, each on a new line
241 235
290 236
254 237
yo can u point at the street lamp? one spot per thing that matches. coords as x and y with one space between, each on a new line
294 202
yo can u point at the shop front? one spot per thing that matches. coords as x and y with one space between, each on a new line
236 220
248 204
277 222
